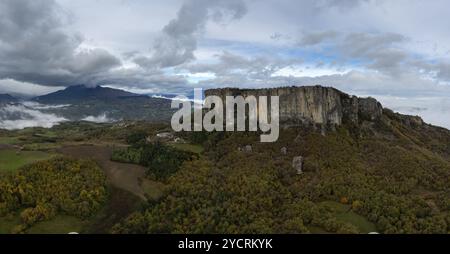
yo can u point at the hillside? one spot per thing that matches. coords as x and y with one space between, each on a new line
389 174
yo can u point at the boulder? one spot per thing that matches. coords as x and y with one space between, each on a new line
297 164
165 135
283 150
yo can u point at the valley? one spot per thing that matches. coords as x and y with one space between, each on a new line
126 183
363 169
225 125
336 190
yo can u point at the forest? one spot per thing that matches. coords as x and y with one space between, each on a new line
389 177
160 160
40 191
354 181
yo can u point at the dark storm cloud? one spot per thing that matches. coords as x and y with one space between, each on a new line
139 79
178 40
35 47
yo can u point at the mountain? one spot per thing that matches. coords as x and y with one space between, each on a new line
342 164
327 109
318 105
80 102
6 98
82 93
312 104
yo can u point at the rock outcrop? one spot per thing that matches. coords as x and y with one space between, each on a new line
297 164
312 104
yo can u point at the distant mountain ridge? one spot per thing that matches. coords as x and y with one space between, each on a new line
82 93
83 102
6 98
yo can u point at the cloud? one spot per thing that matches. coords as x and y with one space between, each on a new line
315 38
381 51
13 117
232 66
178 40
443 71
103 118
435 109
26 89
38 106
341 4
36 46
31 114
138 80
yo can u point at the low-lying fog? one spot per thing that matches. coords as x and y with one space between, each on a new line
31 114
433 110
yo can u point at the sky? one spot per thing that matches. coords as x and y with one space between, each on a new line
396 51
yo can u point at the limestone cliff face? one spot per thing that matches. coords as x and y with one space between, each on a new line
312 104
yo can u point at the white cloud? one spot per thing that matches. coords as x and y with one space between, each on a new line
13 117
38 106
308 71
434 110
25 89
103 118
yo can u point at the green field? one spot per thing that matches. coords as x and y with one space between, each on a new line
317 230
345 214
9 140
11 159
153 190
8 223
40 146
61 224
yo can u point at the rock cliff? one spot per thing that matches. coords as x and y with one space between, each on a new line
312 104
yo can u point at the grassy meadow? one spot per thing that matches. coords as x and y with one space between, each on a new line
11 159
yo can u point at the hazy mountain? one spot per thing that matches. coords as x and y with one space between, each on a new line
107 104
82 93
6 98
76 103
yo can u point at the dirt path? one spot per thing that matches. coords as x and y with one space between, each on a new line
7 146
121 175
